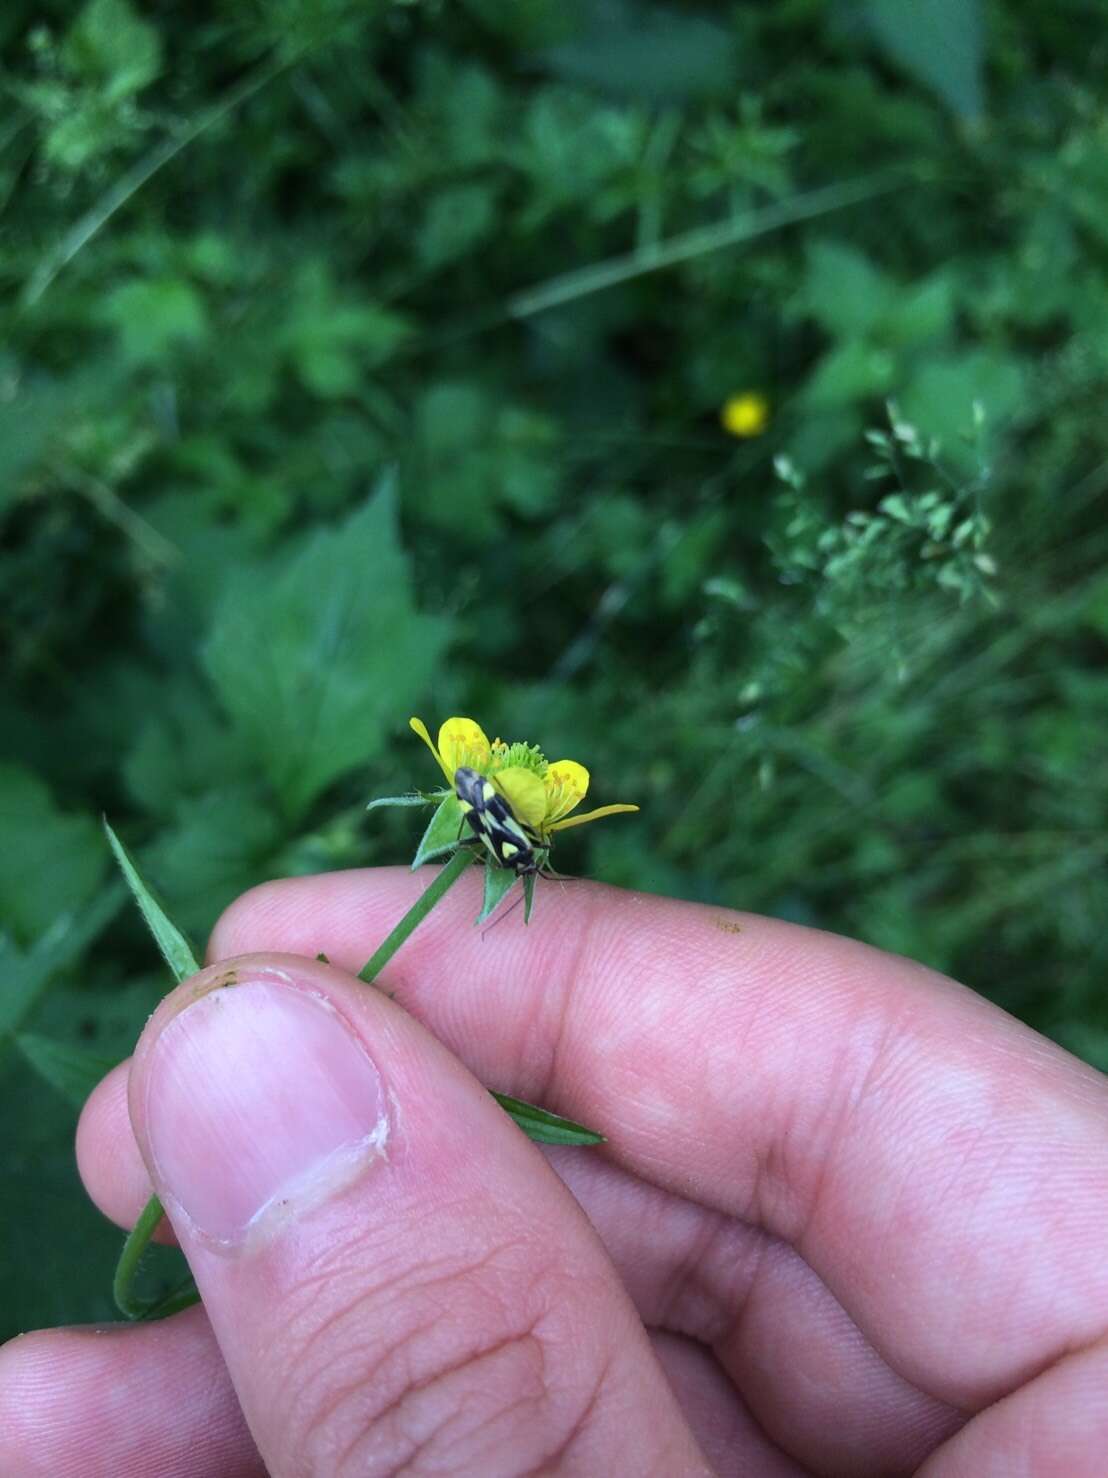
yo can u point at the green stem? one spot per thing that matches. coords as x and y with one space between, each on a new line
415 915
181 1297
138 1238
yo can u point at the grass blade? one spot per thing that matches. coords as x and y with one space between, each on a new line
176 949
544 1127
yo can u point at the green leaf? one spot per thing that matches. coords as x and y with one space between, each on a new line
94 1014
544 1127
58 1250
444 831
333 338
314 655
924 311
400 800
25 976
499 882
180 751
854 371
110 45
183 1296
37 410
938 42
136 1250
73 1070
174 946
219 845
50 862
454 221
844 291
1096 605
474 453
647 51
154 316
941 397
896 506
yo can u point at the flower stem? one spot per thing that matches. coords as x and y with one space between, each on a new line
415 915
138 1238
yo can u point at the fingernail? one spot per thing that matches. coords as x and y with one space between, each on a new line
259 1098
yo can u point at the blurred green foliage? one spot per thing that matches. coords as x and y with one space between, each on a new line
362 359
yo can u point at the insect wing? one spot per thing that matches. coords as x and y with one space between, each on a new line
491 818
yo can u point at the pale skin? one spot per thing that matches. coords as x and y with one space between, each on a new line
850 1219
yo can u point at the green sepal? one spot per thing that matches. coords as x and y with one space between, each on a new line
443 832
528 895
499 882
178 952
544 1127
417 798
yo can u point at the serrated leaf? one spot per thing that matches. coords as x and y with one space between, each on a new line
544 1127
938 42
180 749
444 831
499 882
178 953
73 1070
314 656
219 845
51 862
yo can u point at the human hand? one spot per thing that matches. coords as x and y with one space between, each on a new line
850 1218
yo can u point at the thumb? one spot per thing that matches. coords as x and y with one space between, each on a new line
395 1276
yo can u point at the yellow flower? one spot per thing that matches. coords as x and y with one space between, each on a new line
746 414
461 742
540 794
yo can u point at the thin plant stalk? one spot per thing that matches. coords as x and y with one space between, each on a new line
446 879
138 1239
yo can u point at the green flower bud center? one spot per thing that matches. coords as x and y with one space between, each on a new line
526 756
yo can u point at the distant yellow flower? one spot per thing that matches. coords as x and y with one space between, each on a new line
540 794
746 414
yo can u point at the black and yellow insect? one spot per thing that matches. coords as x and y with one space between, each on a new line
509 842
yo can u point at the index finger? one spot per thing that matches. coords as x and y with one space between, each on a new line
943 1168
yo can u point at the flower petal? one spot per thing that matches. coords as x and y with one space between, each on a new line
567 784
590 816
524 792
462 741
419 727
